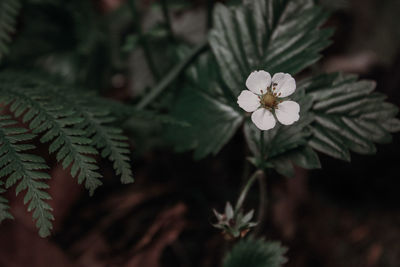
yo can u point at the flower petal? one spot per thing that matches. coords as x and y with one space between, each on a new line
287 112
248 101
263 119
286 85
257 81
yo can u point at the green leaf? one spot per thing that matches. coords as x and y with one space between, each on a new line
96 124
75 123
213 123
349 115
256 253
210 111
24 170
4 207
273 35
54 120
303 156
284 145
9 10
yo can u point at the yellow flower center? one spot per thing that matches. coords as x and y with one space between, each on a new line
269 100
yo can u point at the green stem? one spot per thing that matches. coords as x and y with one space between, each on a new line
164 7
246 189
171 76
262 204
210 7
143 40
262 146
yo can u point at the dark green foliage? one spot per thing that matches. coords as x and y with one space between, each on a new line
74 122
274 35
212 123
4 207
338 114
255 253
26 170
96 123
67 38
57 124
284 145
75 125
349 115
108 139
123 112
212 120
271 35
9 10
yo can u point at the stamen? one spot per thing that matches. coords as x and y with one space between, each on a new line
262 92
279 94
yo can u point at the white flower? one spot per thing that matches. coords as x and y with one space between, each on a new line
263 99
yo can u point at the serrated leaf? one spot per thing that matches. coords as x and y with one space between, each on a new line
273 35
55 119
213 123
4 206
24 170
278 36
255 253
284 144
305 157
109 140
348 115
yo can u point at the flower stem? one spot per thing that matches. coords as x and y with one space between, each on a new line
171 76
262 146
246 189
143 40
262 204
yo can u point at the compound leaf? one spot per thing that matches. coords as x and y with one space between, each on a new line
272 35
26 171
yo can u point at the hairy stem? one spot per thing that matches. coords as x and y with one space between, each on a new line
171 76
143 40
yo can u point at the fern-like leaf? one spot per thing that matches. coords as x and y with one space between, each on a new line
56 123
9 9
4 207
75 122
25 170
108 139
112 144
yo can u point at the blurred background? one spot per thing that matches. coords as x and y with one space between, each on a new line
346 214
